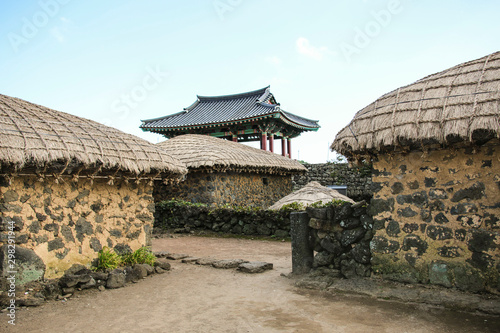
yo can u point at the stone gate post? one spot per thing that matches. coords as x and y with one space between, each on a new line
302 253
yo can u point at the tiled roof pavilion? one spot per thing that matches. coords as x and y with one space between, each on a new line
249 116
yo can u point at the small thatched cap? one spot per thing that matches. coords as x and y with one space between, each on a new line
203 152
33 135
309 194
461 104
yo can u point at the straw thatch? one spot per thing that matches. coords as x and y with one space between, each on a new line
461 104
309 194
206 153
33 135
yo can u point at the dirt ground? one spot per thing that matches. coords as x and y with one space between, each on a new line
193 298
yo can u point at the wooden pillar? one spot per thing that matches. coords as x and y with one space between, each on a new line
283 146
235 138
271 143
289 147
263 141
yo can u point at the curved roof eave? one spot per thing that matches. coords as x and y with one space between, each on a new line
163 117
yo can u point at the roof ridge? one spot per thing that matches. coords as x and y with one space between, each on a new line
234 96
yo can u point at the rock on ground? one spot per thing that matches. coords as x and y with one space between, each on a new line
115 280
190 260
255 267
162 263
228 263
206 261
177 256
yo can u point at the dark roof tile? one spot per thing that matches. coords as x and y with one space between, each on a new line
222 109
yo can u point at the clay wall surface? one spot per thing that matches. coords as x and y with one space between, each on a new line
232 188
436 217
58 225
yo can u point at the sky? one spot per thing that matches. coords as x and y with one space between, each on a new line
117 62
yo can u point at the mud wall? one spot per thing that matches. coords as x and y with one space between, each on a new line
58 225
436 218
357 179
232 188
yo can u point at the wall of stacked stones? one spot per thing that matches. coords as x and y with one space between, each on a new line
436 217
231 188
58 225
340 238
173 216
357 179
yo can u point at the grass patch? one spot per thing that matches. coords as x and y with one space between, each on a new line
107 259
140 256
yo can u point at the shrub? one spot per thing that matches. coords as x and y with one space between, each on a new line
317 204
296 206
106 259
140 256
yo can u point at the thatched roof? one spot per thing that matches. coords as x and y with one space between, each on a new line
33 135
460 104
206 153
309 194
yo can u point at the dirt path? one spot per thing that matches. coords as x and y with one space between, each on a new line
192 298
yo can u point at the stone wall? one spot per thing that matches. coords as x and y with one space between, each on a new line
58 225
340 238
436 217
357 179
232 188
175 216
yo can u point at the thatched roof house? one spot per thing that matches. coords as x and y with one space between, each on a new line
203 152
311 193
459 104
226 172
435 150
33 136
69 186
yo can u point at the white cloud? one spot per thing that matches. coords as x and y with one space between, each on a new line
274 60
56 32
305 48
59 31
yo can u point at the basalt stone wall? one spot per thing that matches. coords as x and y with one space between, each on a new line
179 217
232 188
357 179
436 217
340 236
58 225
